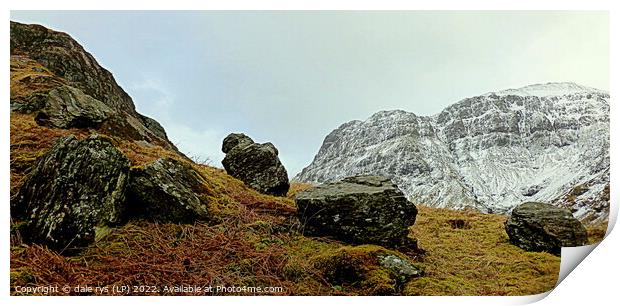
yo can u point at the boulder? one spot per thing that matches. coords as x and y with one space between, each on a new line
75 188
168 191
67 107
257 165
541 227
360 209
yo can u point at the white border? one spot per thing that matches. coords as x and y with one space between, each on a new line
592 281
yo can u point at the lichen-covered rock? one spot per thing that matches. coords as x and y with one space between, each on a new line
168 191
68 107
257 165
361 209
75 188
541 227
369 267
399 267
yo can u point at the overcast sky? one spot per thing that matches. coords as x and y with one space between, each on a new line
292 77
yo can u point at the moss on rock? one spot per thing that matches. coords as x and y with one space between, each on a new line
374 269
75 187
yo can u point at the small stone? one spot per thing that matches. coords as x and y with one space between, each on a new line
400 268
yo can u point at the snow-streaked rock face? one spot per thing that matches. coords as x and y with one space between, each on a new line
545 143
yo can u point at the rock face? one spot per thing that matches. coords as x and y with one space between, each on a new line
77 186
362 209
490 152
167 190
542 227
53 75
257 165
68 107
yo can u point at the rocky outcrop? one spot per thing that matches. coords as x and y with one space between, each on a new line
490 152
50 71
75 188
66 58
257 165
541 227
168 191
30 84
67 107
362 209
154 126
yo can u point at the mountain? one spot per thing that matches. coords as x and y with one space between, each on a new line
544 142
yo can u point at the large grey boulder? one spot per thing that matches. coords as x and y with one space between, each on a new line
168 191
75 188
257 165
67 107
541 227
360 209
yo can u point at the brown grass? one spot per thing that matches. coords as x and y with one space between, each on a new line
29 141
478 259
160 255
140 153
28 77
233 191
255 248
297 187
596 232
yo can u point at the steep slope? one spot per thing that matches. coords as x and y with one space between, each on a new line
489 152
47 63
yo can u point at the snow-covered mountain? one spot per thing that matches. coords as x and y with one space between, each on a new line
544 142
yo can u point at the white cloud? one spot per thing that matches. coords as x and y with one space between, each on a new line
153 99
198 145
